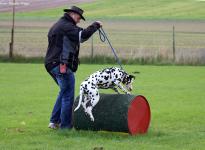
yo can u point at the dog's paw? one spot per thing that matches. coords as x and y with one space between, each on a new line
128 93
92 119
86 112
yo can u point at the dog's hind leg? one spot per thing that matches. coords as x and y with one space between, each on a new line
94 100
89 112
95 97
84 102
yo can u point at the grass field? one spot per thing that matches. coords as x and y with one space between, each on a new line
126 10
175 93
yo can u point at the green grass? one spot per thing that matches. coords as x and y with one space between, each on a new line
127 10
175 93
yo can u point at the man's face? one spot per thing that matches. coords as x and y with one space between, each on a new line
75 17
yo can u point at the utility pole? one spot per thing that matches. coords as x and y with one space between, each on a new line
11 45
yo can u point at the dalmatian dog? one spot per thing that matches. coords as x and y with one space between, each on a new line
113 78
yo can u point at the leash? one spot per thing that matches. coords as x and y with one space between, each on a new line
103 38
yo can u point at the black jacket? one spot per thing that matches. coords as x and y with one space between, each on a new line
64 39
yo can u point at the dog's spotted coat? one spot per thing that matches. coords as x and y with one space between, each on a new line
107 78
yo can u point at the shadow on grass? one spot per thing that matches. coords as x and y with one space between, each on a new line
94 135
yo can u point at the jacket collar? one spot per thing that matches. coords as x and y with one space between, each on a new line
69 18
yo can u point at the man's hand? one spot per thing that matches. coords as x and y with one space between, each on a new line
100 23
63 68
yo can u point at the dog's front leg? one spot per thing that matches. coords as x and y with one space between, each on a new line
117 83
116 90
123 89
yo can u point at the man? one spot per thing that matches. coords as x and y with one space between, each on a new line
61 61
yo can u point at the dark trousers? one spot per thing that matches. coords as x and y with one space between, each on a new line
62 111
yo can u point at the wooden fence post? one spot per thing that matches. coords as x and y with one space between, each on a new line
11 45
92 48
174 48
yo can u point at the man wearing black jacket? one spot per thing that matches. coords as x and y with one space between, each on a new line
62 60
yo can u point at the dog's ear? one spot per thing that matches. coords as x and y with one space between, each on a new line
132 76
124 80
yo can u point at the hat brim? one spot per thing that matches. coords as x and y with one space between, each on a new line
70 10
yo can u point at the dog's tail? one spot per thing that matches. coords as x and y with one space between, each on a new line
80 101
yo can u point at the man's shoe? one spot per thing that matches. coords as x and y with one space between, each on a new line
53 125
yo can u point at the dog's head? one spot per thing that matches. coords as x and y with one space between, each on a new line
127 81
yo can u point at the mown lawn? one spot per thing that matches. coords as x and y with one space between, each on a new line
175 93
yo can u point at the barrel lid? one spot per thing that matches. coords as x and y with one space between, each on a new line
138 115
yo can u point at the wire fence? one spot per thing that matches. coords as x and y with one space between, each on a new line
132 40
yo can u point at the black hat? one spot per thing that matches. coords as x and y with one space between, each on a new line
76 10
